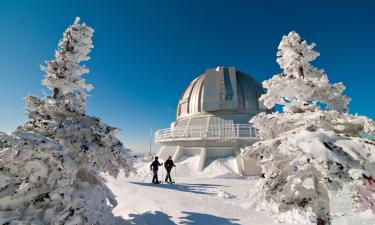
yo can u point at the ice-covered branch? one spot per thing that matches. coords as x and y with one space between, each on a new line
306 152
301 86
50 166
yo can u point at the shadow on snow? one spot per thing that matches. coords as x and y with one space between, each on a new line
149 218
192 188
205 219
192 218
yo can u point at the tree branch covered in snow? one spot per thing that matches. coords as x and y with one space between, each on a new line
63 75
308 153
304 166
275 124
50 166
301 86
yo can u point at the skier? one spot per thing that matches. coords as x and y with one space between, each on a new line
155 167
168 166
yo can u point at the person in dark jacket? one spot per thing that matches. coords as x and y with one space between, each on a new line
155 167
168 166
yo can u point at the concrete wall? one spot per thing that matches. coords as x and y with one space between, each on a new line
245 167
220 152
166 151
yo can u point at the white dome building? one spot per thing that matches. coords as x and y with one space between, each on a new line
213 119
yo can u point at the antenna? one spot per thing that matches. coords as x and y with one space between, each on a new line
150 139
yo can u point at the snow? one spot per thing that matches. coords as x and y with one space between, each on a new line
307 153
301 86
304 168
211 200
191 200
36 169
50 166
4 180
188 167
317 164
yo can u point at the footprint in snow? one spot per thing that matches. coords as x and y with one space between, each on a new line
223 194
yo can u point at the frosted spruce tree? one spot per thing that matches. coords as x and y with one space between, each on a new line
50 167
313 148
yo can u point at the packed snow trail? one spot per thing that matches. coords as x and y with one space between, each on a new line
196 197
214 196
190 201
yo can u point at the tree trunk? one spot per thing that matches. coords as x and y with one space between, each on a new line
56 92
300 72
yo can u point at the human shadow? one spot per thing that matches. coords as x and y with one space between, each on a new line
150 218
205 219
192 188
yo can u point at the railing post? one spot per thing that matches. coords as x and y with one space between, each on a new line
222 131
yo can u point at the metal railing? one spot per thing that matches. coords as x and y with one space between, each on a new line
211 132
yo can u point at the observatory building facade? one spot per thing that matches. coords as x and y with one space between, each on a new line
212 119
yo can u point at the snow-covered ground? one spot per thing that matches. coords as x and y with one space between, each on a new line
215 196
191 200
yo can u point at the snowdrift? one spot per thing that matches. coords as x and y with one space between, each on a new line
188 167
306 170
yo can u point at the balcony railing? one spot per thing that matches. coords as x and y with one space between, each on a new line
213 132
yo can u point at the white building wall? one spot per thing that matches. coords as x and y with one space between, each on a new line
220 152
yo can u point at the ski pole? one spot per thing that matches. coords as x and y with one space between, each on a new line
162 176
144 177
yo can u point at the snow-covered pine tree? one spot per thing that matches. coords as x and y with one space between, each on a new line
307 153
300 86
50 167
63 75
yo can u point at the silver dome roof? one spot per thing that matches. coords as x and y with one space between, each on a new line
222 90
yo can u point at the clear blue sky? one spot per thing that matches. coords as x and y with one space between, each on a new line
147 52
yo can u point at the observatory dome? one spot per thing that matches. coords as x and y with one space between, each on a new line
212 119
224 92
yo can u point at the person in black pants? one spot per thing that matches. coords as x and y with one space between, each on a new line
155 167
168 166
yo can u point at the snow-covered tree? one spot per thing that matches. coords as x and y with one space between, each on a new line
307 153
63 75
301 86
50 166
